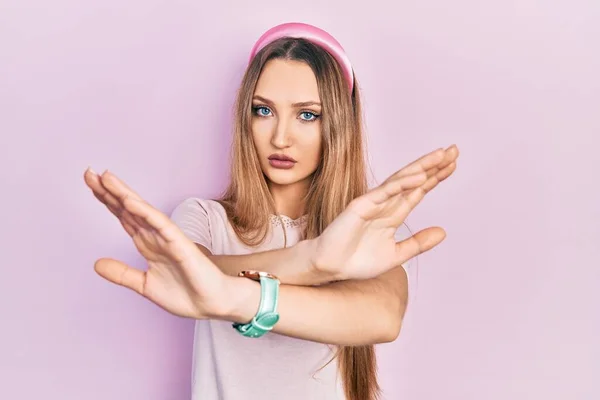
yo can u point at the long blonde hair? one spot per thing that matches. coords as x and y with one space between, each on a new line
340 177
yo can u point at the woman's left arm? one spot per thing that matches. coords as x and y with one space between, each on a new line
351 312
365 305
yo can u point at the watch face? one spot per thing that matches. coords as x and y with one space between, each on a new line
256 275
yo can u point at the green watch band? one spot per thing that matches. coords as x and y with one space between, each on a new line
267 315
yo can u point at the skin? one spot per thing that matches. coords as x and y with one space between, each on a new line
357 250
282 126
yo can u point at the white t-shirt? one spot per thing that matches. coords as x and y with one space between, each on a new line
228 366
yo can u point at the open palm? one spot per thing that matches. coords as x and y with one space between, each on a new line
179 278
360 243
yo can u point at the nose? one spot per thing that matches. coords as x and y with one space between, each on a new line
281 137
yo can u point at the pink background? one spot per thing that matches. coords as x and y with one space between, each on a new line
507 307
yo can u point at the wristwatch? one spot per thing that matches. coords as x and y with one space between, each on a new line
266 316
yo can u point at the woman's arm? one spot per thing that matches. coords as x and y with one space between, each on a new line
349 312
359 244
291 265
366 306
352 312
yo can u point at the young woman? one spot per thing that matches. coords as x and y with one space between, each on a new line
297 264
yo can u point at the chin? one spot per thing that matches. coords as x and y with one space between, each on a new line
284 177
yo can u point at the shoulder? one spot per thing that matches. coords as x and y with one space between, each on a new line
197 206
201 220
194 213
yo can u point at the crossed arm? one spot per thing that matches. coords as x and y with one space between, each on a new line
349 312
365 304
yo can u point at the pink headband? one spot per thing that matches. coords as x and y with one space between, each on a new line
312 34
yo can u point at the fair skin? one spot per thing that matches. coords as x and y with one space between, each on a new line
282 124
357 250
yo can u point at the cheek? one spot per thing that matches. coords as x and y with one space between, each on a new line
316 139
260 134
312 143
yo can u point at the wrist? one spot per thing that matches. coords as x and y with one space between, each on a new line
310 275
240 300
318 274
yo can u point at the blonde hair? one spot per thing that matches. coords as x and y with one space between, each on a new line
340 177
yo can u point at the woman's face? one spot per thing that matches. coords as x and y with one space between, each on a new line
286 123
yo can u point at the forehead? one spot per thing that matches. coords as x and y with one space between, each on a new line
286 81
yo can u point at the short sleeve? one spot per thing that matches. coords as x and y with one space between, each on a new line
193 219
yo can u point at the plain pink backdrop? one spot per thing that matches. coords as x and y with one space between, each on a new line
507 307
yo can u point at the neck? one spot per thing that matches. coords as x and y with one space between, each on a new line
289 199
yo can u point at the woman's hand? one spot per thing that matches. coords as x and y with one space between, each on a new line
180 279
360 244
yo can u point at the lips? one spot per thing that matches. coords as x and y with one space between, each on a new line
281 157
280 161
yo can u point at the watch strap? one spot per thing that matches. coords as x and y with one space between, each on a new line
266 316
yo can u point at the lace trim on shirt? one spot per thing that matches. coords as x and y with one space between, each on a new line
287 221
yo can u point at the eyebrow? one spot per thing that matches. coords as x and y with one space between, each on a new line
300 104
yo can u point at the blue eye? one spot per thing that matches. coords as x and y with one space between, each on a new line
308 116
262 111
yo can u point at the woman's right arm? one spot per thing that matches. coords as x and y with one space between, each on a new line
196 218
359 244
291 265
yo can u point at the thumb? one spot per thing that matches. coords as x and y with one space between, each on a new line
419 243
121 274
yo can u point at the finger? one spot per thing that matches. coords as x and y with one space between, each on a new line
105 197
439 173
449 158
433 179
403 205
117 187
114 206
128 221
421 164
119 190
451 155
440 176
95 184
419 243
391 188
437 158
129 224
153 218
436 177
121 274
